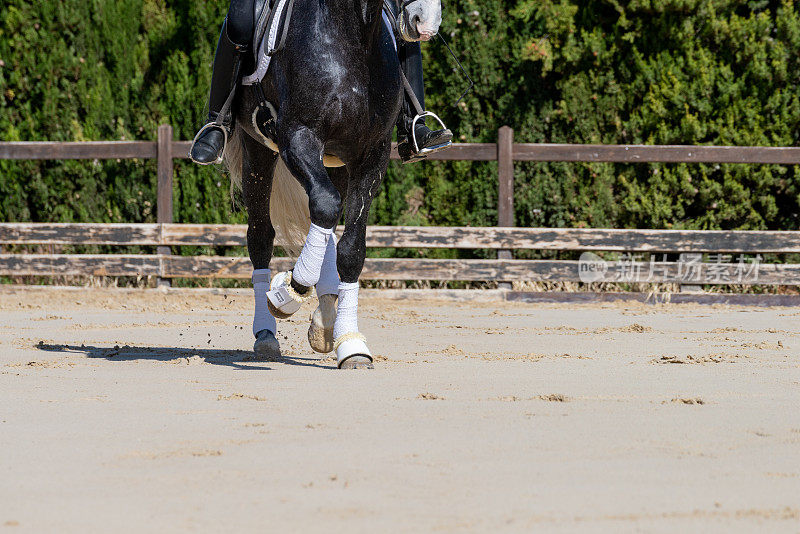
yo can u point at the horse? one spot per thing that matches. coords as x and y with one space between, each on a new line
336 90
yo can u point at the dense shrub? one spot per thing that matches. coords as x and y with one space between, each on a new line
666 72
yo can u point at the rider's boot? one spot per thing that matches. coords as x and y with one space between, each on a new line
208 146
427 141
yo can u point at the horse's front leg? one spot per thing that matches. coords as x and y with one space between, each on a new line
257 168
351 347
320 331
303 152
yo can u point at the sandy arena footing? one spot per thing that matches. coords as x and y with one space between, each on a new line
139 411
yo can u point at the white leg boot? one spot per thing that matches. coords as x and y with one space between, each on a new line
351 346
265 327
284 301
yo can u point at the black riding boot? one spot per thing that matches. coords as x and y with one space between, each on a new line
427 141
209 144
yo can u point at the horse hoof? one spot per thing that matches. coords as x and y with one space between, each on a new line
358 361
278 314
352 352
320 333
266 347
282 300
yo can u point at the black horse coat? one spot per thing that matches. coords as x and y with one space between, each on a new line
337 89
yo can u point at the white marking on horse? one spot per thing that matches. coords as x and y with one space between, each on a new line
362 206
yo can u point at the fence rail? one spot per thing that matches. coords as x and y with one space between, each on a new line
504 239
50 150
425 237
167 266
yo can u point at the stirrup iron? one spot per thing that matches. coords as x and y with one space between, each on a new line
225 135
432 149
219 122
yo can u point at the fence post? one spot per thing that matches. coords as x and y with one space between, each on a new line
164 201
505 199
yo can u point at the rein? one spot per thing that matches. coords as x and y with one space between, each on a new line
460 66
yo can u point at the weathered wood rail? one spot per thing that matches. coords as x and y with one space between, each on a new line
504 270
724 245
428 237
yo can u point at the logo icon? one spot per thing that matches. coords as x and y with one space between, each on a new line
591 268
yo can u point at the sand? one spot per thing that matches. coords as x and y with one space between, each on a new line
138 411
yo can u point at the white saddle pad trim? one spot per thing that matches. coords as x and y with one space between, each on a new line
266 47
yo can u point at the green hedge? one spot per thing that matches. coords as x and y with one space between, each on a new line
666 72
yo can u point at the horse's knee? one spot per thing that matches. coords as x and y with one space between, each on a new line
325 205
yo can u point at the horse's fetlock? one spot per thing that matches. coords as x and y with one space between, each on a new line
300 288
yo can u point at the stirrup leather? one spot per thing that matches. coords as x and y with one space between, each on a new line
225 135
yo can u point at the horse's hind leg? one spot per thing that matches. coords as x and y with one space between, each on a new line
258 164
320 332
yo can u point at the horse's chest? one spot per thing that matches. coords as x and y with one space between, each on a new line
359 107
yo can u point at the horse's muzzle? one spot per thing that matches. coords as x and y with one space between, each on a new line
412 29
425 33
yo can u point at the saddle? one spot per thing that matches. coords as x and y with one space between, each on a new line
258 10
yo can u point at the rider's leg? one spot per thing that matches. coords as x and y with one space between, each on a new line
411 62
234 41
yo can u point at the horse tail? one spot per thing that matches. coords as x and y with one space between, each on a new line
233 157
288 209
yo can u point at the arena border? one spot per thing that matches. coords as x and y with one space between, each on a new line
166 266
479 295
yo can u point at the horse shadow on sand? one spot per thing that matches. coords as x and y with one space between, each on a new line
237 359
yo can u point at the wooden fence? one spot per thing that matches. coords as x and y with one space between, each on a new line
727 265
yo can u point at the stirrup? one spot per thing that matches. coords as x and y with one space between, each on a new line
428 150
410 145
208 126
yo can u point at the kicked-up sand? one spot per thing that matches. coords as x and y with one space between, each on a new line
139 411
